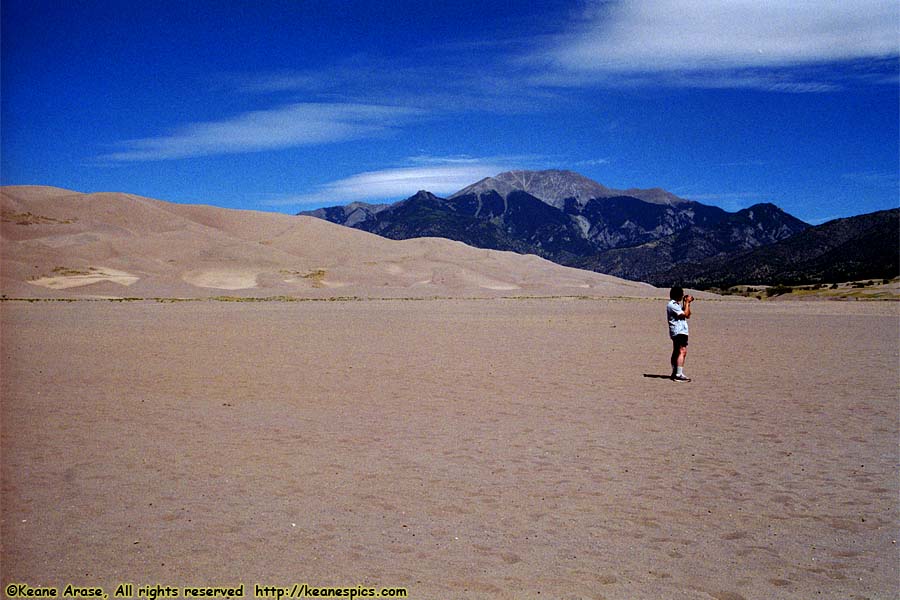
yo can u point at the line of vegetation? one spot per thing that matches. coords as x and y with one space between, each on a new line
851 289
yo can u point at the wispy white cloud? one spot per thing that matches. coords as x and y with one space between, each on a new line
440 178
445 84
660 35
462 159
725 43
294 125
506 161
785 46
395 184
592 162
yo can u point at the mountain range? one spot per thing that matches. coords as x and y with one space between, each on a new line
639 234
851 249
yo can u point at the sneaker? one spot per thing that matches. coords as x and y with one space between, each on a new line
680 378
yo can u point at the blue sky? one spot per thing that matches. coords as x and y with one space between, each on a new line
289 105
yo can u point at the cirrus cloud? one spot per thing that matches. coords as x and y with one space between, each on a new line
778 45
397 183
661 35
293 125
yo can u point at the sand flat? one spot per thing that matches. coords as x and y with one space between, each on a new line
459 448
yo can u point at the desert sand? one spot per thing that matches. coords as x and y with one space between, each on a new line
327 407
62 244
495 448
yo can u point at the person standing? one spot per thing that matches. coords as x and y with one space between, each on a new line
678 311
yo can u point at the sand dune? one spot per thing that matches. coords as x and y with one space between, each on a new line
61 243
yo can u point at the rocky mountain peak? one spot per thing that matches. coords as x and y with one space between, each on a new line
556 186
551 186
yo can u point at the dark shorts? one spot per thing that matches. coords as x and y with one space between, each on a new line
680 341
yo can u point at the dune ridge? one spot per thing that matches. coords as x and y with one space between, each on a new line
61 243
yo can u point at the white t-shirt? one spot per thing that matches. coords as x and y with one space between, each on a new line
676 326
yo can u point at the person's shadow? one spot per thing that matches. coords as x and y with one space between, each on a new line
657 376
